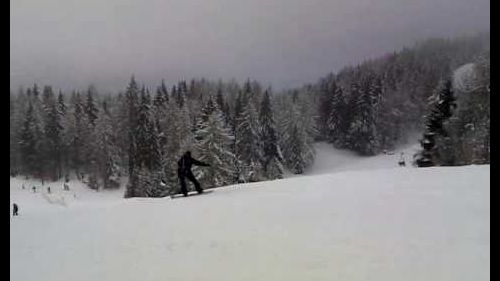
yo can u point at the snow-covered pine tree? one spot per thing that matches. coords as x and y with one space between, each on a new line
119 113
214 146
38 129
442 103
238 110
272 157
90 148
14 165
62 110
160 114
143 132
107 156
29 144
161 97
140 155
219 97
296 133
468 128
145 182
180 93
296 163
362 132
325 106
75 138
20 104
52 141
160 100
248 149
132 103
337 126
222 104
157 172
91 109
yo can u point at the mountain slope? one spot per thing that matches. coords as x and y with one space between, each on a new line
371 224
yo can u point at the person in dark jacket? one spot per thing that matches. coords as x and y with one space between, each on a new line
184 171
15 209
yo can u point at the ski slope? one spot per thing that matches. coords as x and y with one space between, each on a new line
349 218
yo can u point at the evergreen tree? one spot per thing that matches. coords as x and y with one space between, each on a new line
272 158
62 112
91 109
248 146
12 137
296 134
147 155
467 140
132 102
296 163
29 144
326 91
337 125
77 134
441 104
214 145
160 114
161 97
363 134
52 141
107 156
90 149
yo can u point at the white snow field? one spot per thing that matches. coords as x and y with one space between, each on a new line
351 218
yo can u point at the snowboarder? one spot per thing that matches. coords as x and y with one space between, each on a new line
65 186
15 209
184 171
34 189
402 162
48 189
23 186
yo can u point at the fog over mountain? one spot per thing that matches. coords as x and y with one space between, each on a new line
284 43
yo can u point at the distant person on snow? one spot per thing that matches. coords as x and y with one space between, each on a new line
184 171
15 209
402 162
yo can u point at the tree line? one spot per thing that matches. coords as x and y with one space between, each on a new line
140 135
247 133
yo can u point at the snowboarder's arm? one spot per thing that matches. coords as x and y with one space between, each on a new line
199 163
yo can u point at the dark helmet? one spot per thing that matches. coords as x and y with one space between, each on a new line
188 153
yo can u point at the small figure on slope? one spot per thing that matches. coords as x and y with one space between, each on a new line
184 171
65 186
15 209
402 162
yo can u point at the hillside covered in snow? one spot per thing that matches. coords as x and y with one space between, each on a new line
347 218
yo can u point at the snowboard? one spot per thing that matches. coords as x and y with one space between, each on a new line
191 193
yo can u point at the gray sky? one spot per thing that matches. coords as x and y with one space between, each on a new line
285 43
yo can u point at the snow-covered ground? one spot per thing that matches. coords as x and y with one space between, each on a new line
350 218
329 160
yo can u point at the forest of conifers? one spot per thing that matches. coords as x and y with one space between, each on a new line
250 133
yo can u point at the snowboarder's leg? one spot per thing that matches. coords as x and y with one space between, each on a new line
197 186
182 180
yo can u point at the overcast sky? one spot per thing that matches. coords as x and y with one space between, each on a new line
285 43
